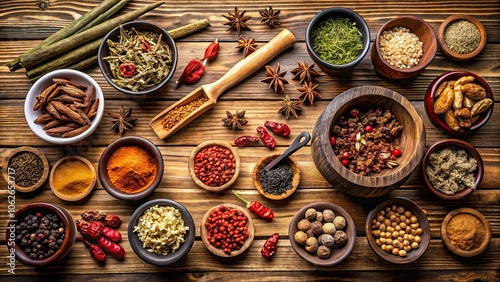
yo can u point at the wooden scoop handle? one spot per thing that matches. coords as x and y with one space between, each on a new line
250 64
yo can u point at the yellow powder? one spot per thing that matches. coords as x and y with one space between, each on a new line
72 177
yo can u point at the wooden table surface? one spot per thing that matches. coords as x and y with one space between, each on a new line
23 24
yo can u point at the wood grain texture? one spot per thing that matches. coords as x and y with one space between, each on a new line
23 25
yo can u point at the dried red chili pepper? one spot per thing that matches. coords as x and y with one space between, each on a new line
193 71
111 248
266 138
278 128
93 216
111 234
145 47
90 230
245 140
112 220
270 246
212 50
127 69
95 250
256 207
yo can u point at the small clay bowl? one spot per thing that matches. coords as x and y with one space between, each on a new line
206 144
84 193
420 28
452 54
455 249
218 251
6 171
458 144
438 120
129 141
44 208
171 257
423 223
337 254
263 162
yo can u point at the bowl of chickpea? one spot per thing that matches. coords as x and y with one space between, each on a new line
398 230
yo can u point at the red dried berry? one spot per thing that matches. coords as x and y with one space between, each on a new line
396 152
333 140
368 128
345 156
345 162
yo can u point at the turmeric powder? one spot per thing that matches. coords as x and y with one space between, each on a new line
72 177
131 169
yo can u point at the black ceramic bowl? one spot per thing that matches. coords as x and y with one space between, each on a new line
142 27
326 14
153 258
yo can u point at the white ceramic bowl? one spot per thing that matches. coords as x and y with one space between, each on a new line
43 83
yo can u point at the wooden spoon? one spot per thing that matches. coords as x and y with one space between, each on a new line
212 91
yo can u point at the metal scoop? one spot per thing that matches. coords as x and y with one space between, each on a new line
296 144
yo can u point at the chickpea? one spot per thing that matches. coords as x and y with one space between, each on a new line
390 229
407 221
396 214
407 214
382 227
419 231
407 248
402 225
380 218
411 238
394 208
395 234
388 209
397 220
402 253
382 212
413 232
414 245
405 237
374 221
395 251
402 233
402 218
400 239
408 229
400 210
413 219
414 225
393 224
388 235
418 239
389 248
397 228
377 225
388 241
406 243
387 222
376 233
384 247
378 242
396 244
382 234
383 240
393 217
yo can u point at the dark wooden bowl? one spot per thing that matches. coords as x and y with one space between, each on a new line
412 142
420 28
6 171
103 163
169 258
456 250
459 144
322 16
44 208
209 144
438 120
338 254
263 162
73 198
423 223
454 55
219 251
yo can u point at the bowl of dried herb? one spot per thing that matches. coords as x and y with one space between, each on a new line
142 68
25 169
461 37
342 30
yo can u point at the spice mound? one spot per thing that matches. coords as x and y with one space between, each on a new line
161 229
400 47
465 232
462 37
179 113
227 228
72 177
40 235
451 170
367 142
277 180
28 168
396 230
321 232
214 165
131 169
139 59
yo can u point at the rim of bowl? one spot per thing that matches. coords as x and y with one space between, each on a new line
484 222
415 209
19 150
346 12
103 162
452 54
140 26
439 145
69 234
347 248
171 257
422 64
439 122
44 82
87 190
208 144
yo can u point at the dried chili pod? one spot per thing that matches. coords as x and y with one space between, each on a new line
270 246
245 140
112 220
111 234
127 69
95 250
111 248
278 128
93 216
266 138
256 207
192 72
90 230
212 50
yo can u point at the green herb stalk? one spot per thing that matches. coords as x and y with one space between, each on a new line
104 16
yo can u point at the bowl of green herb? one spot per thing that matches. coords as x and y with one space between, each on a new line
137 57
337 40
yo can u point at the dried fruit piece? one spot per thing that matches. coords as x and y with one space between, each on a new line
481 106
468 103
458 96
473 91
464 123
440 89
451 121
444 101
462 113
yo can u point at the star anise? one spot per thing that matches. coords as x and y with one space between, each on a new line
308 92
237 20
305 72
288 106
235 121
247 45
275 78
270 17
123 121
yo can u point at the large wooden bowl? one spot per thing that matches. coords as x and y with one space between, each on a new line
219 251
412 142
9 174
454 55
420 28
